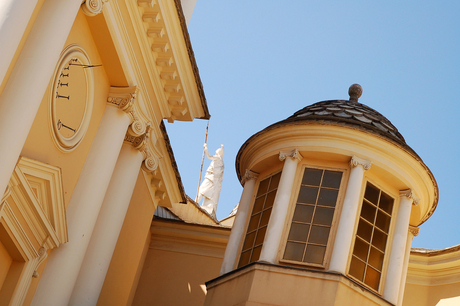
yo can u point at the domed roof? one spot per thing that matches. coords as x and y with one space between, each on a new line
349 113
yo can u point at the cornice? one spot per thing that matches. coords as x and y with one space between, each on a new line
169 59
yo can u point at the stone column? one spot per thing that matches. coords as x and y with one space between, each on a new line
280 208
24 91
110 221
14 17
63 265
398 248
413 232
239 225
345 229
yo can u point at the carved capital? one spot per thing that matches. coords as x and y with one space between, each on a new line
408 193
356 161
413 230
123 97
92 7
141 143
249 175
293 154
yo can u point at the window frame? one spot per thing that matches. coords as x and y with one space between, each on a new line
383 187
335 219
260 179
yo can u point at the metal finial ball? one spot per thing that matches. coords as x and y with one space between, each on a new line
355 91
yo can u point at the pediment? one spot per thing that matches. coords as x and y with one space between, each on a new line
36 188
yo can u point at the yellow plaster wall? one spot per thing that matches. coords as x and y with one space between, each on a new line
421 295
172 277
130 251
39 144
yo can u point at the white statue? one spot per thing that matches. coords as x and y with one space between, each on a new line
210 188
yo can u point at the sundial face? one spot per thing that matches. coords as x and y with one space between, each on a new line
71 98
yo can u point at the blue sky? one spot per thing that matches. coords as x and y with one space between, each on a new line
260 61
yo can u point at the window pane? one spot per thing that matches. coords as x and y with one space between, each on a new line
372 193
294 251
260 235
244 259
312 177
270 199
249 241
323 216
258 205
275 181
383 221
379 240
299 232
364 230
368 212
376 258
315 254
263 187
357 268
372 278
303 213
327 197
265 217
307 195
256 253
319 234
332 179
386 203
253 223
361 249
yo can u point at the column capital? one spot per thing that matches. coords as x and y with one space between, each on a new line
249 175
414 230
122 97
357 161
293 154
142 144
409 193
92 7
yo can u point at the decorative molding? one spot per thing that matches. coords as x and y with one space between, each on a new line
409 193
92 7
356 161
249 175
123 98
414 230
293 154
42 254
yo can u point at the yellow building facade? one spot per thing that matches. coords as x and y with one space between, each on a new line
94 211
